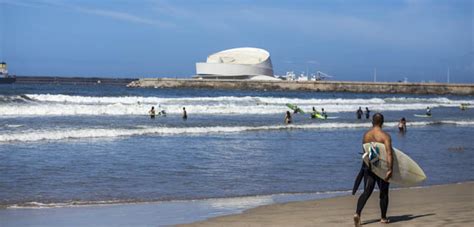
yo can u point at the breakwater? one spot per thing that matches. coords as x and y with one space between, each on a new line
72 80
317 86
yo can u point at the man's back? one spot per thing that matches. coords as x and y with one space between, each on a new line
376 134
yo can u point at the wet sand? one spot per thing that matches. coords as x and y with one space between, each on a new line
444 205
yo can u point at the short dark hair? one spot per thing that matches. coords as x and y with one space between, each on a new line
377 119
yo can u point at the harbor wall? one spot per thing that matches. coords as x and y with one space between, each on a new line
72 80
317 86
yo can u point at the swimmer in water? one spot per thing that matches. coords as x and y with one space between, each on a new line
152 112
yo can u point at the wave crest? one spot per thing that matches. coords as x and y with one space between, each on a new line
64 134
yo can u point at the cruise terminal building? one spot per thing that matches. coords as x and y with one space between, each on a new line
238 63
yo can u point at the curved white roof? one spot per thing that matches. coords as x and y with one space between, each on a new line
244 62
242 56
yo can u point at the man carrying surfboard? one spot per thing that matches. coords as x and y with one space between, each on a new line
376 134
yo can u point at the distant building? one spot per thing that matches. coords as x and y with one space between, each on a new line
3 69
4 77
237 63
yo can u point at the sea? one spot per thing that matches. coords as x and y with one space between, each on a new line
95 145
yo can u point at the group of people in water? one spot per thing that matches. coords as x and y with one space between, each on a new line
152 113
402 124
359 113
323 114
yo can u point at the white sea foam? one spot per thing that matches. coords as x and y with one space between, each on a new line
59 105
64 134
251 99
13 126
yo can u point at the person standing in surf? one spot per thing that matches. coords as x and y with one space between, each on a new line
185 114
428 111
313 115
296 110
359 113
152 112
288 117
402 125
376 134
367 113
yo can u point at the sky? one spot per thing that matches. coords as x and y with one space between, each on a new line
419 40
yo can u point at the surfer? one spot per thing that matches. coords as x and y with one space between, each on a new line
428 111
323 113
376 134
402 125
288 117
297 109
152 112
359 113
185 114
367 113
313 115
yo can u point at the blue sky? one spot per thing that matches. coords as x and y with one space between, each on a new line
417 39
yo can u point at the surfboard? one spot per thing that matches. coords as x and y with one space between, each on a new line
319 116
422 115
405 170
294 107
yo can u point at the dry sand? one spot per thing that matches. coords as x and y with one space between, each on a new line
445 205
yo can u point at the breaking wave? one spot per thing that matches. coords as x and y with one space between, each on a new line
60 105
64 134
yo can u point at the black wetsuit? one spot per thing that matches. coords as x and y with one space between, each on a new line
370 179
359 114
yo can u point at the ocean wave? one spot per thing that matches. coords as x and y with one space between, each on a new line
14 99
66 105
217 109
253 99
65 134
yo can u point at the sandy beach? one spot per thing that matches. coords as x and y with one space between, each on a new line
445 205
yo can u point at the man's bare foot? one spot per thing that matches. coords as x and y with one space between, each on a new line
384 221
357 220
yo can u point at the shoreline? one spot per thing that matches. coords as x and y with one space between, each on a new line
236 211
314 86
436 205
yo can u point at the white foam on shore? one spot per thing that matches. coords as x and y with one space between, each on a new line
81 133
240 202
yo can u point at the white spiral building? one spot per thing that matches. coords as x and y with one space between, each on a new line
237 63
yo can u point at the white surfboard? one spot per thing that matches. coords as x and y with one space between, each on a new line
421 115
405 170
